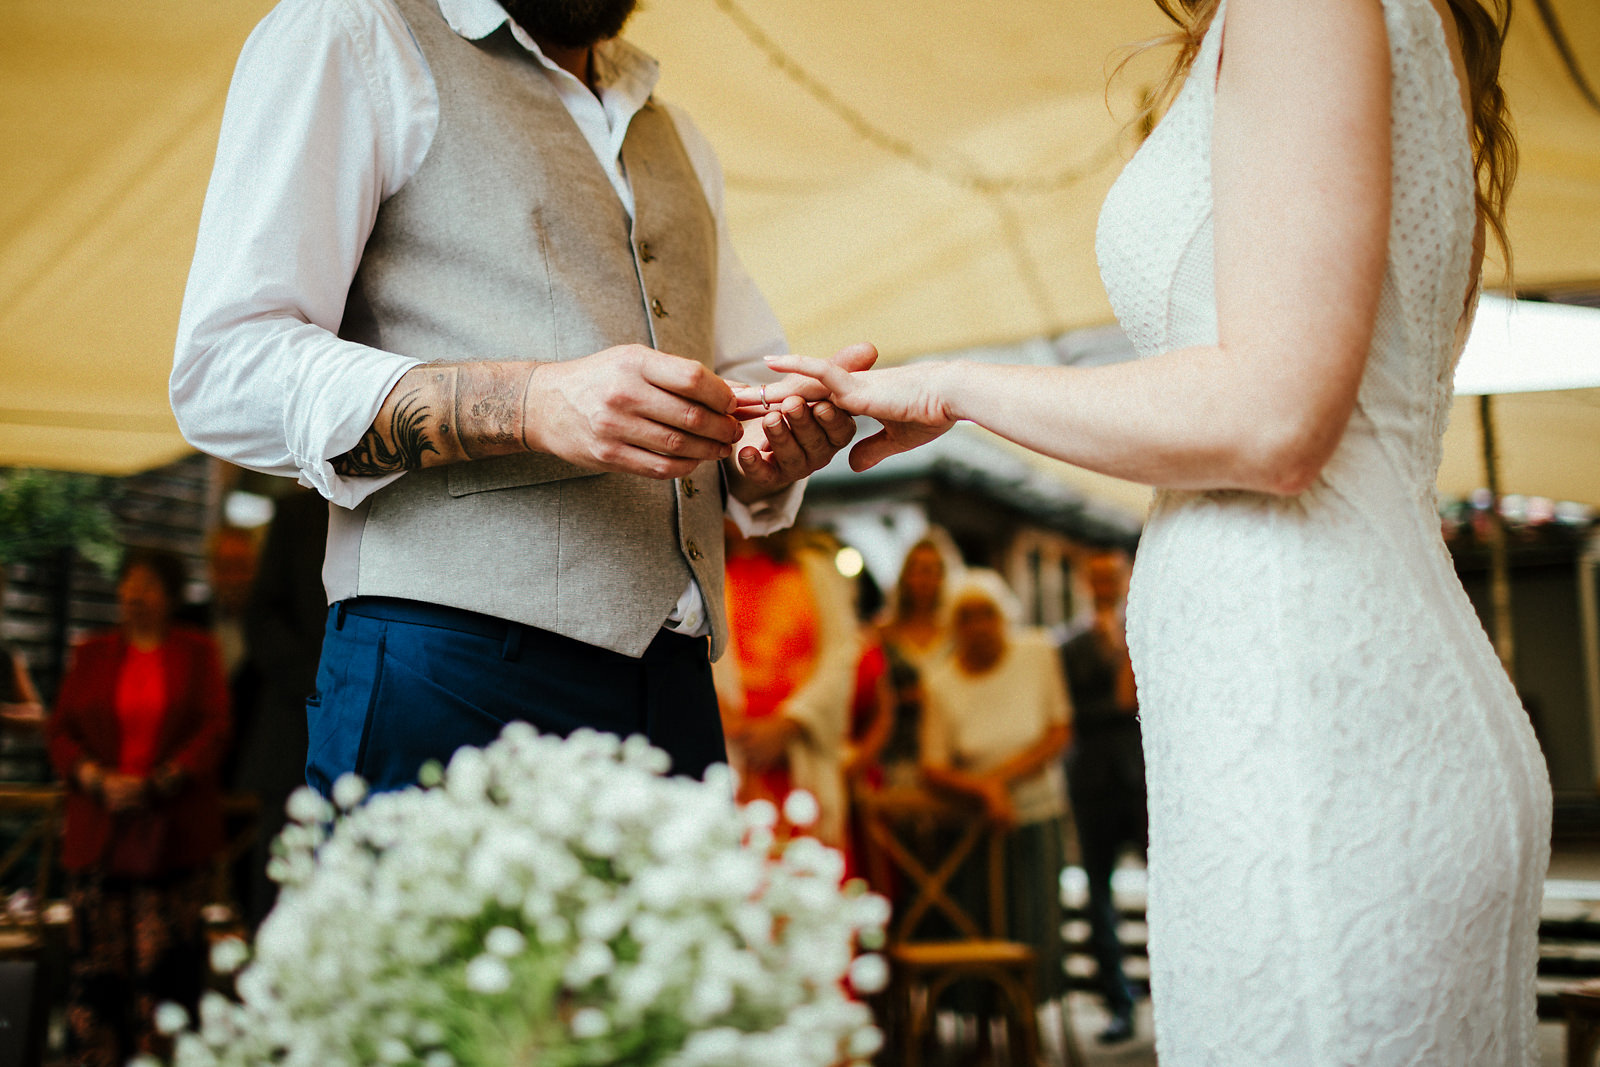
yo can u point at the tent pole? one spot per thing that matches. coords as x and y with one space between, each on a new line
1499 569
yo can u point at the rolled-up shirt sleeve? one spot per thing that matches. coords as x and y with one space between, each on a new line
313 139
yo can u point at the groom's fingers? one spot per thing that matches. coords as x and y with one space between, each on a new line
839 425
807 432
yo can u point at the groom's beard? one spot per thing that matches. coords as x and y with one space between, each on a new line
570 23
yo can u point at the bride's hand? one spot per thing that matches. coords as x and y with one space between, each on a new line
906 400
755 401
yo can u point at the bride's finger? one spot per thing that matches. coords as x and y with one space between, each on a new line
829 373
761 398
751 399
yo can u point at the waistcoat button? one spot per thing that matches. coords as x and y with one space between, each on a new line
655 306
688 487
694 551
645 255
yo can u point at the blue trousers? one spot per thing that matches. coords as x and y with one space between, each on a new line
402 682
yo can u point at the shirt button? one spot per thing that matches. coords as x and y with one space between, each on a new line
694 551
655 306
645 255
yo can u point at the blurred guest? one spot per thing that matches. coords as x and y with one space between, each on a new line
230 572
995 722
19 700
137 734
1105 769
872 705
284 624
915 636
785 687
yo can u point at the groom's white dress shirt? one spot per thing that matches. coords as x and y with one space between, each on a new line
331 111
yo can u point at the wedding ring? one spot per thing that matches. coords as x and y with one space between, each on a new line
764 405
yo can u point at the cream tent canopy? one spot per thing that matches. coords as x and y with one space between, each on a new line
923 175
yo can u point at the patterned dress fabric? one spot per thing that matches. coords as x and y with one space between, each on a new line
1349 814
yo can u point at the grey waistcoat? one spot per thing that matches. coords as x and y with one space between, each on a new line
509 243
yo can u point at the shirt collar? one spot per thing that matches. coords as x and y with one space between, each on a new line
618 64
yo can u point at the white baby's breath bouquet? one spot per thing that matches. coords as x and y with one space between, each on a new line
550 902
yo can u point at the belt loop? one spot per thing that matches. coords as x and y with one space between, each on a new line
338 615
512 649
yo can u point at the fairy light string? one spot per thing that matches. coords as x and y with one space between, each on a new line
949 167
957 172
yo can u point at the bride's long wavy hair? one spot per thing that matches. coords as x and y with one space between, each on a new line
1482 28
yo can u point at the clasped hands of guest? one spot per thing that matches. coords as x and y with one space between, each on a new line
764 741
120 792
995 796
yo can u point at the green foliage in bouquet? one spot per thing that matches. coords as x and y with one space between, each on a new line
43 512
559 903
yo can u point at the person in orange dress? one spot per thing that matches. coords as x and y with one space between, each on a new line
786 684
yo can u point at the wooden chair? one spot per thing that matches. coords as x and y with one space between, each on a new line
1581 1006
38 809
23 935
923 967
241 821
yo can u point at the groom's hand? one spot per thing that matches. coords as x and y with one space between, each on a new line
630 409
793 440
792 437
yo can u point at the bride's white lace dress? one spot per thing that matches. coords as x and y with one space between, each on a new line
1349 815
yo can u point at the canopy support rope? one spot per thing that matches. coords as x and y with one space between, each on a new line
1558 37
957 172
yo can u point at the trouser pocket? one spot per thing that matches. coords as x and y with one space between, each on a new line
339 714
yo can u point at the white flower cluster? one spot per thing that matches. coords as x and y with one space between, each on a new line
553 902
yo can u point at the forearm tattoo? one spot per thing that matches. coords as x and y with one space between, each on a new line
489 400
401 446
443 414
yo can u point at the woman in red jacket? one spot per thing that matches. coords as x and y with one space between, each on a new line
137 735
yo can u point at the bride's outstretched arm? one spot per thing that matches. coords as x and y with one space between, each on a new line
1301 175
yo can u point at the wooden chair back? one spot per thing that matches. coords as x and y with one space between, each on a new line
915 843
37 809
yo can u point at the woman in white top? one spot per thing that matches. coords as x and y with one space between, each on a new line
995 722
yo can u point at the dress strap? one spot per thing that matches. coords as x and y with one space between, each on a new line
1208 60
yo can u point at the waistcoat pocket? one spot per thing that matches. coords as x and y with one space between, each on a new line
511 472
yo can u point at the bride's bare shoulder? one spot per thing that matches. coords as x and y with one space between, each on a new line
1273 45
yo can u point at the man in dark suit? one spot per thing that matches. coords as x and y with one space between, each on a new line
1105 770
